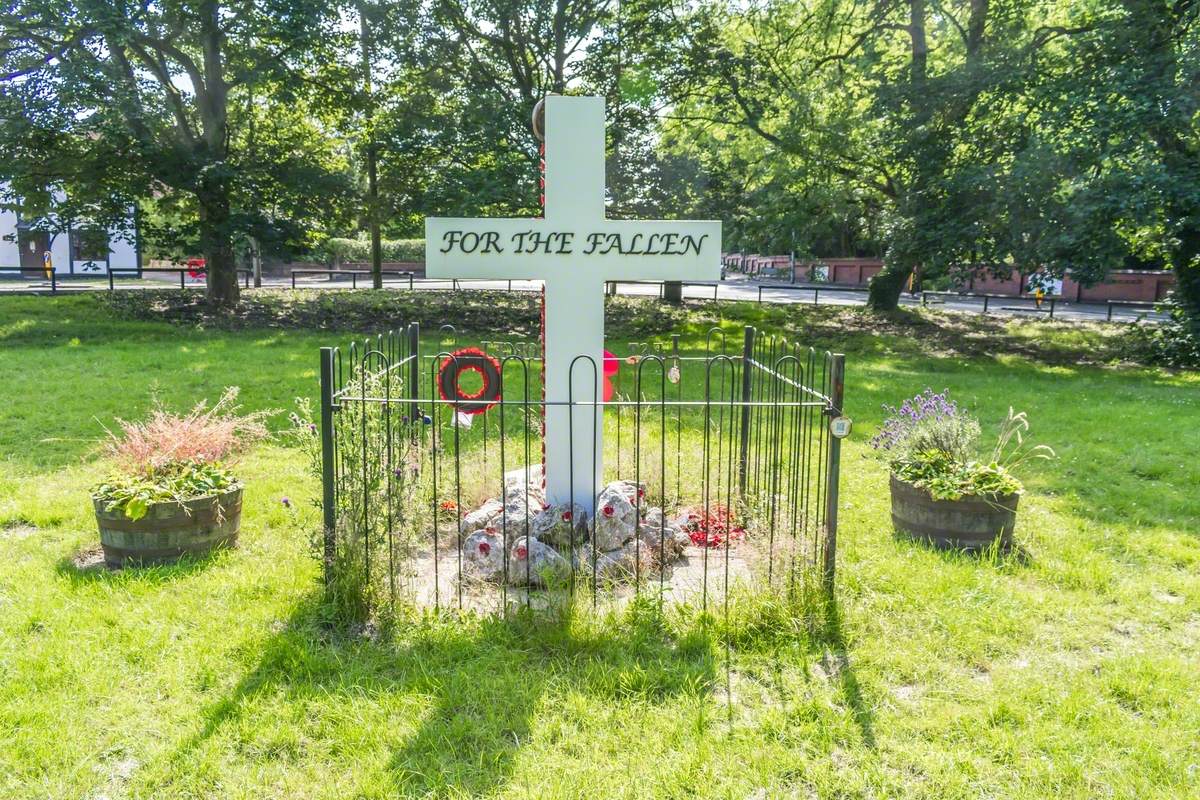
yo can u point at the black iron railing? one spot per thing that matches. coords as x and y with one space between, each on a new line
729 447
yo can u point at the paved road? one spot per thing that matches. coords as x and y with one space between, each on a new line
736 287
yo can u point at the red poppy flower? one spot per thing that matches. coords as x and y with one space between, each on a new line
485 548
713 529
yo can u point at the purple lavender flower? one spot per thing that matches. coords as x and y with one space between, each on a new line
901 421
287 503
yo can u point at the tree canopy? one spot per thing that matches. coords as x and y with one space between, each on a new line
941 134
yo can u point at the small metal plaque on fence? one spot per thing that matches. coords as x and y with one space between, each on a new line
839 427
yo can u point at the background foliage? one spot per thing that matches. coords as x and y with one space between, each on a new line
941 134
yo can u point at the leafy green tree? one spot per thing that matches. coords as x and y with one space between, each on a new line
952 128
1132 80
116 100
455 87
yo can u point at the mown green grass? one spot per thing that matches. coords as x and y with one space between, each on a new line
1069 671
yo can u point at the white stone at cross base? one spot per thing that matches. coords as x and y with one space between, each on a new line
574 214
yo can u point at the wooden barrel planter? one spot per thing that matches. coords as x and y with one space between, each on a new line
170 530
969 523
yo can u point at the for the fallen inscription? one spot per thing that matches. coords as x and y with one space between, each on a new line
562 243
575 249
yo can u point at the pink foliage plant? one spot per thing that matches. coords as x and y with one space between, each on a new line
204 435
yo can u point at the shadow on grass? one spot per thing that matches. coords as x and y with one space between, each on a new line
822 644
86 566
476 686
838 666
995 556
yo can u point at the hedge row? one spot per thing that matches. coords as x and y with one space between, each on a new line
335 249
491 314
360 312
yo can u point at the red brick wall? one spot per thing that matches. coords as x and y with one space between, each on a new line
844 271
1143 285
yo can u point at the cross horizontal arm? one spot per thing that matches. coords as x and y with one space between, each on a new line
600 250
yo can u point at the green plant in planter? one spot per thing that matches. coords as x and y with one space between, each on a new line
177 482
935 446
174 458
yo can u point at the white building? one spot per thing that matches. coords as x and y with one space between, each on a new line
74 249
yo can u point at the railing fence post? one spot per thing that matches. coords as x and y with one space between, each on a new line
837 381
744 431
328 497
414 374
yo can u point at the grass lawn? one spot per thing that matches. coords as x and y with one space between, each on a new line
1071 672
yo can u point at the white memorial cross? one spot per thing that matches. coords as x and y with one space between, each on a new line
574 250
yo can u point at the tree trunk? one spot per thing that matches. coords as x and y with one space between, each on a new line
885 288
213 193
1172 132
1186 263
372 154
217 245
256 262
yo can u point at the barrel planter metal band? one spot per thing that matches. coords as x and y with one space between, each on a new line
969 523
170 530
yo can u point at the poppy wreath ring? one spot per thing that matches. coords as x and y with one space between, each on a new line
469 359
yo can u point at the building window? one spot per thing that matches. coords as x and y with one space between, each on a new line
89 244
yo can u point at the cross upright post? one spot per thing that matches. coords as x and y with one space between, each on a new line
573 250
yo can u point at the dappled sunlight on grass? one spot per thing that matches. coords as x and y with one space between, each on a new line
12 329
1064 669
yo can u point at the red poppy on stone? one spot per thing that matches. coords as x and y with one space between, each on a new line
566 516
485 548
522 552
608 511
